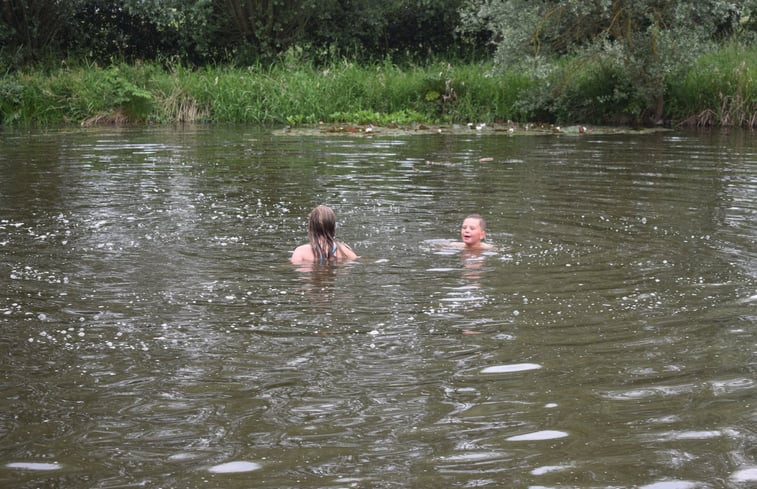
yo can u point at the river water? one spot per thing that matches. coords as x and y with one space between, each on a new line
154 334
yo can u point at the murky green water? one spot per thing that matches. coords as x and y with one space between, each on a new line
154 334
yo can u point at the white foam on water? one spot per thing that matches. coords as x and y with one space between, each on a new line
720 387
234 467
515 367
472 457
549 468
539 435
691 435
34 466
177 457
671 485
745 475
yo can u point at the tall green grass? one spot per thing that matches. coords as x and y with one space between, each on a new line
718 90
289 92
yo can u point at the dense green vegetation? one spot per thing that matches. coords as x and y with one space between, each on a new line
295 92
640 62
290 91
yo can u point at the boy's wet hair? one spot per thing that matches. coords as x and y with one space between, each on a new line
481 220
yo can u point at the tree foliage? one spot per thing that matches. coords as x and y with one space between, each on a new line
244 31
404 28
264 27
545 27
643 41
29 28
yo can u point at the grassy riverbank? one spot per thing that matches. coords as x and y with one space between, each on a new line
718 90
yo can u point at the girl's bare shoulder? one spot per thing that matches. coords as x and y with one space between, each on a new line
302 254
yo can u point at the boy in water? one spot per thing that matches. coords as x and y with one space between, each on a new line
323 247
473 232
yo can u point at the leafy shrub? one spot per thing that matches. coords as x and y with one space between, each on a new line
11 98
125 95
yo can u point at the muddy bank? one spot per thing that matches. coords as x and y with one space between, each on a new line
507 129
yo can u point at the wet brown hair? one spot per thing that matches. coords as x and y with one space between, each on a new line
321 231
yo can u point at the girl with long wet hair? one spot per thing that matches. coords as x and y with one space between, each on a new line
323 246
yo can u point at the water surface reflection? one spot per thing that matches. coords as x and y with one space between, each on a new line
155 335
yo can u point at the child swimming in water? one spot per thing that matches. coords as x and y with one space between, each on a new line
323 247
473 232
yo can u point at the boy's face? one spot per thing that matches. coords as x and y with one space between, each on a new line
471 232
